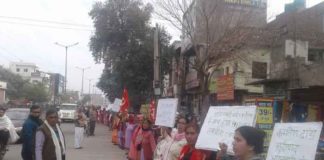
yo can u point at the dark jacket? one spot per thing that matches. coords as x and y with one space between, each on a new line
28 134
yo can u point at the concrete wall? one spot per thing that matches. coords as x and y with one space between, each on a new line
241 67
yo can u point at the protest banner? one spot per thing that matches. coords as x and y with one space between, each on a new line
166 112
116 105
294 141
220 125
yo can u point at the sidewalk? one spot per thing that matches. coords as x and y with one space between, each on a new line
98 147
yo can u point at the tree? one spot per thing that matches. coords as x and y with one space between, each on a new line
215 29
123 40
36 92
18 88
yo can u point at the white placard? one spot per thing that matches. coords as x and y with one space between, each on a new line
220 125
294 141
166 112
116 105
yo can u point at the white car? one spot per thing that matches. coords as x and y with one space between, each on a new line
67 111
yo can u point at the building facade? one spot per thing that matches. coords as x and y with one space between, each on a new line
3 88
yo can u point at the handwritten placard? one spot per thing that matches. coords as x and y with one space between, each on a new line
116 105
294 141
166 112
220 125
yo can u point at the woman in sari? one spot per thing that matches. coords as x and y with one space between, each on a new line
114 137
189 152
145 142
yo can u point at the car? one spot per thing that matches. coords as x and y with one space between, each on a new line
18 117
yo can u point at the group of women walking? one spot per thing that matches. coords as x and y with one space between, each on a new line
143 141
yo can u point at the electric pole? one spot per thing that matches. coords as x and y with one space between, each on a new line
82 69
66 49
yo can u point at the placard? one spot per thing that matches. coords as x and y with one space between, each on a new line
220 125
294 141
116 105
166 112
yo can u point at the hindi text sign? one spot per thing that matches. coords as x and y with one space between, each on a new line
116 105
294 141
166 112
220 125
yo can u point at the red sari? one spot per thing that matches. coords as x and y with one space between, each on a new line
132 154
148 144
195 154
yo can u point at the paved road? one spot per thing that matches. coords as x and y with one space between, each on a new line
98 147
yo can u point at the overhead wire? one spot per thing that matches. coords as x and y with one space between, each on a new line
44 21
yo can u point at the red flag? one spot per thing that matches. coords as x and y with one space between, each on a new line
152 111
125 102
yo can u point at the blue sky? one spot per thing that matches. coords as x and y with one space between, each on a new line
35 42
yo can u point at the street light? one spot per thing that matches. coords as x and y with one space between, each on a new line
82 69
66 48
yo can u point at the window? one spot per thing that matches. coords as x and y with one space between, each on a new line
227 71
316 55
259 70
18 69
25 70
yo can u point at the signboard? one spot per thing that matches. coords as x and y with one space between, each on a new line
225 87
264 117
220 125
116 105
294 141
166 112
253 3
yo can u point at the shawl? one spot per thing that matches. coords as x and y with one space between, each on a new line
58 148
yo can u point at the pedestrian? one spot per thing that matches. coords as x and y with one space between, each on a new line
114 135
132 154
49 139
189 152
145 142
247 145
164 143
130 126
93 118
29 130
80 123
178 139
121 130
7 129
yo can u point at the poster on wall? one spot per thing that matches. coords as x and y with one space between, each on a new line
264 116
220 125
166 112
294 141
225 87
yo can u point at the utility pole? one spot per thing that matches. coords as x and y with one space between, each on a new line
90 90
157 78
66 49
89 85
82 69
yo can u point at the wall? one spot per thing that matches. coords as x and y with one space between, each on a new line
241 67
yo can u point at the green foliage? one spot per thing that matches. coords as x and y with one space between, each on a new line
18 88
123 40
